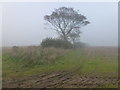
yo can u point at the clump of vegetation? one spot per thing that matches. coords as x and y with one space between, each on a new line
15 48
33 55
58 43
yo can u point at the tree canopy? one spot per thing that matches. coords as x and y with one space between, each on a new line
66 21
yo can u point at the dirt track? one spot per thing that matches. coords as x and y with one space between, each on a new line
65 79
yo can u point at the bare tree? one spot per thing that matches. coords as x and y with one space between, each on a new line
65 21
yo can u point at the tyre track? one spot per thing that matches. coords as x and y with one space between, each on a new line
61 79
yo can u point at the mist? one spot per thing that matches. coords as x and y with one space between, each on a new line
23 24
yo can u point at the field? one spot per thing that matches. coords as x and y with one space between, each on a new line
36 67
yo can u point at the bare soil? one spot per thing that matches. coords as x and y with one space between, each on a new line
63 79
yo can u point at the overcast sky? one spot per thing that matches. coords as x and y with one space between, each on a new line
23 23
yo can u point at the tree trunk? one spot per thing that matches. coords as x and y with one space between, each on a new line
65 38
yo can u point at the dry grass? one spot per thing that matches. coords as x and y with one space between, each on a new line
34 61
33 55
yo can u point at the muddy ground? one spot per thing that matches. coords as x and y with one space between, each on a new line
62 79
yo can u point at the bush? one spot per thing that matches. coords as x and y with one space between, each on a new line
15 48
58 43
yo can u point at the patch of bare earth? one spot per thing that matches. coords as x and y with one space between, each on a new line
63 79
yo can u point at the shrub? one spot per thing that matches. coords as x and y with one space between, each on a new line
15 48
58 43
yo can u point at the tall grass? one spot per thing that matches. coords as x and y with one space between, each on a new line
34 59
30 56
